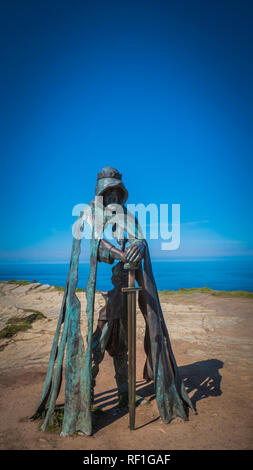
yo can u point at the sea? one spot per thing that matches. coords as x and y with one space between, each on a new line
220 274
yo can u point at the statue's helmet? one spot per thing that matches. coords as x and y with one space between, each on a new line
108 178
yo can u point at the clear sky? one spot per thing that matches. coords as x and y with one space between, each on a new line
162 90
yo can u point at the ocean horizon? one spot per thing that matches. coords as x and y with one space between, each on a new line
220 273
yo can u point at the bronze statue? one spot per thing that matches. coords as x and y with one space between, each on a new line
111 334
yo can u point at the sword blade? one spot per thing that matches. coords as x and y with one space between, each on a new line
131 300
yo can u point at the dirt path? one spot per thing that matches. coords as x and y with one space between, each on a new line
212 342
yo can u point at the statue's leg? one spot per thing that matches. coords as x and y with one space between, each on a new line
121 376
117 348
99 342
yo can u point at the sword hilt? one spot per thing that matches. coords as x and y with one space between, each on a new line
131 267
131 278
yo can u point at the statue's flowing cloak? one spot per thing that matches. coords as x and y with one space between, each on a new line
160 366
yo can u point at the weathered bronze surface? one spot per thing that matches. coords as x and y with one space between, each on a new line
116 319
131 305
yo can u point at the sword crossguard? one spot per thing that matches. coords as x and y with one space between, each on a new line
130 289
131 279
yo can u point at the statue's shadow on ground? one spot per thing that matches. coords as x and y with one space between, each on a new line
201 379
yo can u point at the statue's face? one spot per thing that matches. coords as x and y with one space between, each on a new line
113 196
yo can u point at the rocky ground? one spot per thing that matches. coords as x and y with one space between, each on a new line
212 339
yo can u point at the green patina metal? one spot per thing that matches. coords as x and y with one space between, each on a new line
160 366
77 406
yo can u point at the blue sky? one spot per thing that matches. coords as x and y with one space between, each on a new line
161 90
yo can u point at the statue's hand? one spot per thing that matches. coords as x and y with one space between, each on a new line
134 253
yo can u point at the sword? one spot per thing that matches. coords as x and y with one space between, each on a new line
131 307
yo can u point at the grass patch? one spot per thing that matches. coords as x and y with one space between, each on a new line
198 290
168 292
234 293
20 283
61 289
37 312
16 324
207 290
56 421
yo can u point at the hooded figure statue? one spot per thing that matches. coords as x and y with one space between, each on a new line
82 363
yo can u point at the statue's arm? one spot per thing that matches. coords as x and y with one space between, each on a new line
108 253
